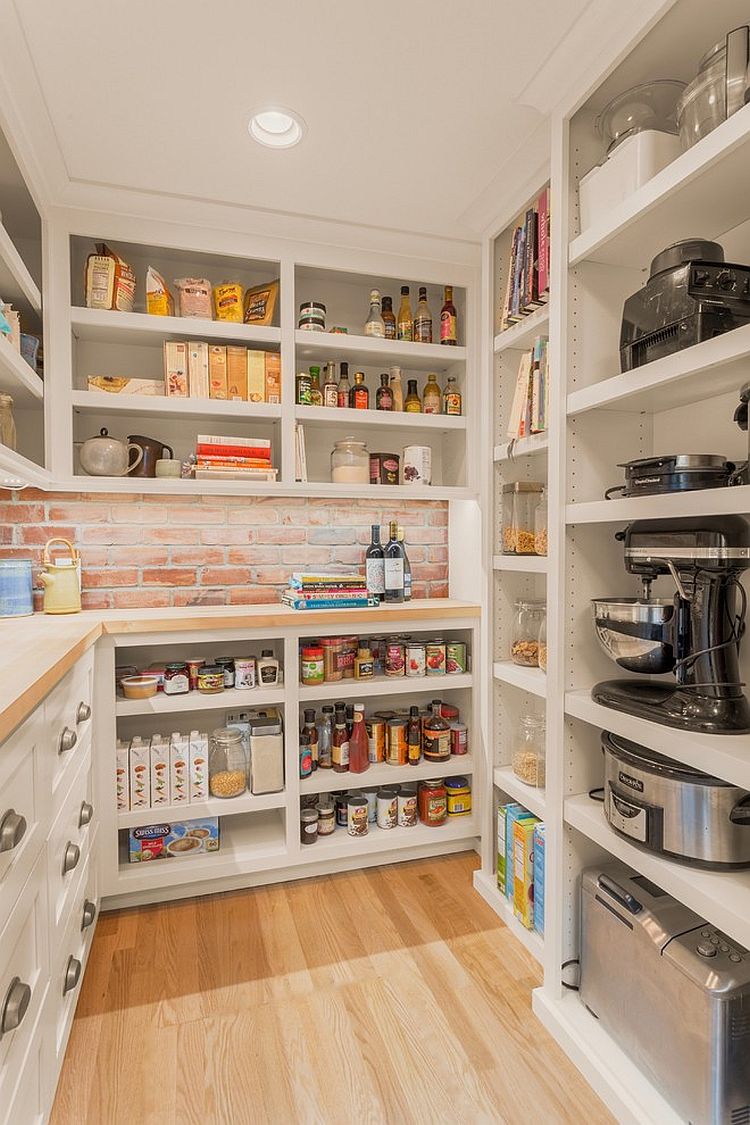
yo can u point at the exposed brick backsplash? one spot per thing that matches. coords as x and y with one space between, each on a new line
219 550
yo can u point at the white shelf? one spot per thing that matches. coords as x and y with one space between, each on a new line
522 334
703 190
702 502
112 327
232 699
17 470
383 685
521 564
721 897
607 1068
529 796
706 370
528 679
340 843
532 941
723 755
165 486
18 378
391 419
530 446
215 806
157 406
17 286
374 351
326 781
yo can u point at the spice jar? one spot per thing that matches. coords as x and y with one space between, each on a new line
528 756
308 826
527 619
540 525
311 661
519 502
228 763
432 801
176 678
543 644
210 679
350 462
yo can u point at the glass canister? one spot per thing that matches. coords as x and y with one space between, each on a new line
227 763
7 422
528 755
519 501
543 644
350 462
527 619
540 525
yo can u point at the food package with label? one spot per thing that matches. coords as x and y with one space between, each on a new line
194 297
159 301
539 837
523 870
109 282
260 303
121 385
180 839
160 788
273 377
228 301
176 368
217 371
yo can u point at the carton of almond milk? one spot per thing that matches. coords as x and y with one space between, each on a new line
140 774
198 766
160 787
179 769
122 775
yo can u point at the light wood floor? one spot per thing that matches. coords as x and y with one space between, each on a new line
389 995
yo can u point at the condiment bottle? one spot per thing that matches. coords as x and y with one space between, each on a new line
432 399
325 738
303 385
340 743
405 321
305 753
364 665
448 319
423 319
359 395
375 325
344 387
312 734
330 386
397 389
437 736
414 737
384 394
452 402
389 319
268 669
412 405
359 759
316 395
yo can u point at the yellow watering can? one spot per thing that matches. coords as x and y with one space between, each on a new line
61 578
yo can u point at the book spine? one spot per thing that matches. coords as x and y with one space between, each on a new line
543 240
232 463
528 280
218 439
307 578
511 267
336 603
233 451
519 398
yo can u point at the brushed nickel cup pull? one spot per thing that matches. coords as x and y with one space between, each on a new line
89 914
16 1002
83 713
72 974
12 830
68 739
87 812
71 857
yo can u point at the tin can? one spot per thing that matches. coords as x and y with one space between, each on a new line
375 740
435 657
333 649
395 752
387 815
372 805
308 826
415 659
458 796
326 818
407 806
245 672
349 649
432 801
455 658
226 663
395 658
340 806
459 738
417 464
356 814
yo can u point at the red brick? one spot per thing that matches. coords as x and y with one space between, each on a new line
437 554
349 556
6 533
271 575
305 557
169 576
112 576
199 597
432 573
205 515
18 552
139 556
416 554
252 515
98 497
22 513
244 595
252 555
197 556
175 535
283 535
139 513
140 599
419 590
311 517
80 513
225 575
438 518
226 535
97 556
37 535
438 590
97 599
424 535
110 535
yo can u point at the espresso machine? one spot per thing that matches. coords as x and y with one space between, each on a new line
695 636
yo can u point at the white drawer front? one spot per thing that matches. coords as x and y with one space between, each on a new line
68 711
24 977
23 810
70 961
29 1103
69 843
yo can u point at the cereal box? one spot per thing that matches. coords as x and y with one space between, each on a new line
514 813
539 833
523 871
140 774
179 768
122 775
198 766
182 839
159 758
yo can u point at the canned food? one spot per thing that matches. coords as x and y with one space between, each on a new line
308 825
326 818
372 805
395 658
415 659
349 649
387 800
455 658
245 675
375 740
435 658
396 752
342 819
449 711
226 663
407 806
432 802
458 796
210 679
459 738
193 666
333 649
356 812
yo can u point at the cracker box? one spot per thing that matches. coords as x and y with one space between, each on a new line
523 871
140 774
256 376
160 787
122 775
198 766
273 377
179 768
539 834
176 368
181 839
217 371
236 373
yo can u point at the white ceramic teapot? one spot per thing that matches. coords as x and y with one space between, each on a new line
105 456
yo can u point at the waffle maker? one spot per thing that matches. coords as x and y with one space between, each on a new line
673 472
691 295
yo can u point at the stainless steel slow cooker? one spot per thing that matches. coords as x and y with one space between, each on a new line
670 808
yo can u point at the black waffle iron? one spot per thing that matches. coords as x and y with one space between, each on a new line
691 295
674 472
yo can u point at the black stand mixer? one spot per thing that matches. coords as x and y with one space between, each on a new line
695 636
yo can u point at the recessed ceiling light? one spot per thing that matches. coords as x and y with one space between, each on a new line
276 128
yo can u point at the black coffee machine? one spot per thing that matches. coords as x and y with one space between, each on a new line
695 635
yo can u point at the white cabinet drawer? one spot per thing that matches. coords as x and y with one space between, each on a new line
68 713
23 810
70 961
29 1105
24 977
69 843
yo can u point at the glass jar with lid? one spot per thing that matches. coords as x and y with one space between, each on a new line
350 462
228 763
519 501
540 525
528 753
543 644
527 619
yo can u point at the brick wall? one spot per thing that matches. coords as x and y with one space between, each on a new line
219 550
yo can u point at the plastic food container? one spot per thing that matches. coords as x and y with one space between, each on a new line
139 687
540 525
650 107
703 105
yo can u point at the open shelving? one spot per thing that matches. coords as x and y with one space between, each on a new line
228 700
531 797
518 448
18 378
156 406
390 839
214 806
368 350
327 781
384 685
17 286
522 334
486 886
102 326
518 675
521 564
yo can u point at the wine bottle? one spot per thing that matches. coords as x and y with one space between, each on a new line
394 567
375 563
407 566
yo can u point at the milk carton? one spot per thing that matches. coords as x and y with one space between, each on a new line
140 774
160 787
198 766
179 769
122 775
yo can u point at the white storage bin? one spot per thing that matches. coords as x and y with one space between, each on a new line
633 163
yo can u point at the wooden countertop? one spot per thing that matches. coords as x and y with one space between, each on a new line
38 651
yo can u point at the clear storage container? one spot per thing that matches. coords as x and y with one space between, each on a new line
350 462
227 763
543 644
540 525
527 620
528 754
519 501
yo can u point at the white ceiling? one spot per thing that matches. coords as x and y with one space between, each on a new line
409 106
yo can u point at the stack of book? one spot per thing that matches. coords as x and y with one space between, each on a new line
197 369
327 591
527 281
233 458
529 411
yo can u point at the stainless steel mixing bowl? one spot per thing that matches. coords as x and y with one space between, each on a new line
635 633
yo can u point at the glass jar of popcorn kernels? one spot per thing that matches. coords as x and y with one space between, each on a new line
519 501
227 763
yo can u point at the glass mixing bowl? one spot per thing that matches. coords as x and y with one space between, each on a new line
653 105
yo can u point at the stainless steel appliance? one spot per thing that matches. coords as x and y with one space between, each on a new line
667 807
671 990
673 472
696 636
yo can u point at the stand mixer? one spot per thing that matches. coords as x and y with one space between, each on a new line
695 636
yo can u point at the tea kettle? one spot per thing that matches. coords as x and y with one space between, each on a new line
106 456
61 578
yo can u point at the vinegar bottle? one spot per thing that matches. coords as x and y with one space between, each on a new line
325 738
